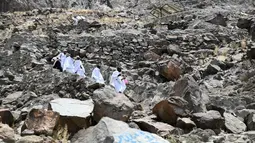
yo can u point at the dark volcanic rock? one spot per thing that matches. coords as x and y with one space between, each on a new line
188 89
209 120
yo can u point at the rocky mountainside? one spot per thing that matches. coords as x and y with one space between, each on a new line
191 73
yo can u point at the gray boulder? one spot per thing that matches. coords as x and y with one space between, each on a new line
233 124
75 113
209 120
153 126
189 89
111 131
111 104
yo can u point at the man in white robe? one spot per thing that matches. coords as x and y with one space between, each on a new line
62 57
117 81
123 84
78 68
77 19
69 64
97 76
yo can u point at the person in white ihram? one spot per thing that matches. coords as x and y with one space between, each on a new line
69 64
97 76
77 19
116 81
78 67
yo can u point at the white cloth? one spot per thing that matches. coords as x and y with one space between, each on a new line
123 85
69 65
78 68
114 77
62 59
117 82
96 75
77 19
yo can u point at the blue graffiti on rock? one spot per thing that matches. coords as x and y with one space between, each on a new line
136 137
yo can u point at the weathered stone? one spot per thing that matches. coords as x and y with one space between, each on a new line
188 89
6 133
185 123
169 110
170 71
30 139
41 121
6 117
111 104
219 19
151 56
251 53
251 106
12 97
173 49
244 113
209 120
251 121
244 23
250 134
112 131
230 138
75 113
152 126
233 124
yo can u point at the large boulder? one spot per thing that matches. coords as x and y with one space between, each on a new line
189 89
111 104
6 133
111 131
151 125
170 70
209 120
6 117
169 110
75 113
41 121
233 124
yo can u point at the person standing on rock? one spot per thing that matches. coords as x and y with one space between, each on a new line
117 81
123 83
69 64
97 76
78 68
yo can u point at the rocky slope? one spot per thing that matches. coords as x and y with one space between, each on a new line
190 73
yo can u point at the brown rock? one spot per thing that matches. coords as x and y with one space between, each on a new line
169 110
6 117
41 121
170 71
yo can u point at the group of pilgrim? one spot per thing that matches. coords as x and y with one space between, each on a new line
65 63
